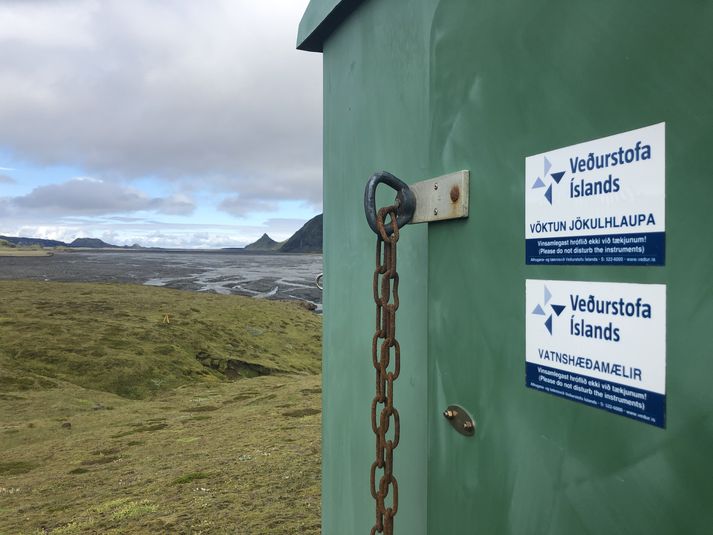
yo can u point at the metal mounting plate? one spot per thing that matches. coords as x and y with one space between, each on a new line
445 197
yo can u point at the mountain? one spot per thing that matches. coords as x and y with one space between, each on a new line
308 239
25 242
92 243
265 243
87 243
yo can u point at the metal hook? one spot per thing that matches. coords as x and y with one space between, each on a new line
405 199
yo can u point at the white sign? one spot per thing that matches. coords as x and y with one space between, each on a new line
599 202
602 344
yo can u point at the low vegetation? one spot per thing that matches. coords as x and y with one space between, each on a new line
110 423
138 341
10 249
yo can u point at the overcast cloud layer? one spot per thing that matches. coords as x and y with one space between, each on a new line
87 196
202 96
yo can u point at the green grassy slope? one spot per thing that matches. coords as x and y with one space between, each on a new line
116 339
110 424
233 458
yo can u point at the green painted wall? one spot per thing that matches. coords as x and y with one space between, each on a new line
421 88
374 117
511 79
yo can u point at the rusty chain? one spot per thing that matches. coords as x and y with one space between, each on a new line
386 287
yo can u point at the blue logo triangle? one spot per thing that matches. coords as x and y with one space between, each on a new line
557 176
548 324
538 310
548 295
558 309
538 183
548 194
548 165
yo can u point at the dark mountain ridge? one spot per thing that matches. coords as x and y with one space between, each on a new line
265 243
308 239
25 242
89 243
92 243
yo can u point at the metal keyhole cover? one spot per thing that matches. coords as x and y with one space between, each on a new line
460 420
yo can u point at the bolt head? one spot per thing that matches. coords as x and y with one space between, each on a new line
455 194
435 211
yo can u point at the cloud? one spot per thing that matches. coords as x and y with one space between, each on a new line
241 206
158 233
175 90
123 219
284 227
193 240
174 205
6 179
92 197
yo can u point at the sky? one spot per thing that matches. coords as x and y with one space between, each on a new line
169 123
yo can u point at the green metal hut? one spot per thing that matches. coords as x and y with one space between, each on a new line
508 317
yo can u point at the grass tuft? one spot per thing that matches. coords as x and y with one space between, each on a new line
100 460
190 477
11 468
299 413
141 429
201 408
78 470
134 510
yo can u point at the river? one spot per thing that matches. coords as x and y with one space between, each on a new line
263 276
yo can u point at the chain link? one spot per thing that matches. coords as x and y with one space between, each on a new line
384 415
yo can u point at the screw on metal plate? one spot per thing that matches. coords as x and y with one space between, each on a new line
460 420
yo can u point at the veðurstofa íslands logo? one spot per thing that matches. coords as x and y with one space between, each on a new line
540 309
556 178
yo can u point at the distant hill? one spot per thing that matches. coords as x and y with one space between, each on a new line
92 243
308 239
25 242
265 243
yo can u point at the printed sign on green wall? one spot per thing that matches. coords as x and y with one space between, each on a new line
599 202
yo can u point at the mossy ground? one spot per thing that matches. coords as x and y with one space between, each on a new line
10 249
193 454
138 341
24 252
